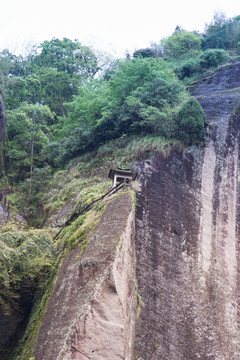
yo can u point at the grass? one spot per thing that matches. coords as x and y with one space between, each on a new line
86 177
123 151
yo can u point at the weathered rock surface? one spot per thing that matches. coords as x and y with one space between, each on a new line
4 213
187 238
60 217
91 312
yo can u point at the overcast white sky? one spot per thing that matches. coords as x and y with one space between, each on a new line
112 25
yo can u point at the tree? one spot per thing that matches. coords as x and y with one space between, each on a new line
14 91
27 135
138 74
181 44
11 65
191 122
222 33
67 56
33 93
139 96
57 87
144 53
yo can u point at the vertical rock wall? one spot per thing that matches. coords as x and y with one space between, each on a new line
187 238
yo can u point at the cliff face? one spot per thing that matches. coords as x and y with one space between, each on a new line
187 238
92 309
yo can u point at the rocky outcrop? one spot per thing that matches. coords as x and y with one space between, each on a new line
187 238
4 213
91 312
26 262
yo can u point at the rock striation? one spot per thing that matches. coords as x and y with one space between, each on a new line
91 312
187 237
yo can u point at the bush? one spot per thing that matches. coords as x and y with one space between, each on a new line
188 68
191 122
195 66
26 260
80 141
213 57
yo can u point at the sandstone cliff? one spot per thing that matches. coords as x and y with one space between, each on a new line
187 238
91 312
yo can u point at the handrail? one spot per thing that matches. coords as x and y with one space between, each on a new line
76 214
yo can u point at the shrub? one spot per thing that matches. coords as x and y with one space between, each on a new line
26 260
188 68
213 57
191 122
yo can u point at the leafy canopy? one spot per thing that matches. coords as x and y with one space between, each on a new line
181 44
27 135
67 56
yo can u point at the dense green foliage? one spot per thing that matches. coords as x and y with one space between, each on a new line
194 67
191 122
181 44
58 108
139 98
26 259
223 33
28 131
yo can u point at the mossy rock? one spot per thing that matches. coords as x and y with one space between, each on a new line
26 261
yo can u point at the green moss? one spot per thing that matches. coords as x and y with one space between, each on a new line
26 259
140 305
76 238
134 201
28 266
26 344
237 110
84 244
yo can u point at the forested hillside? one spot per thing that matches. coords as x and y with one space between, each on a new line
62 100
71 114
